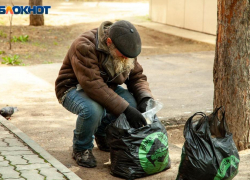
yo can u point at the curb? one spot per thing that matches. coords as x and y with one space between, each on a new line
39 150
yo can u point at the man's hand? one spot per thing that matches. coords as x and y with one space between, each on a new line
134 117
143 104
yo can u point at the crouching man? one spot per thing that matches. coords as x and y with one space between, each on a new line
88 84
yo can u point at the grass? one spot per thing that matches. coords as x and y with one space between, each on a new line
20 38
2 52
36 44
2 23
2 34
14 39
48 62
12 60
27 56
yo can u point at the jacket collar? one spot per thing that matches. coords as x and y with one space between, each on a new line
102 46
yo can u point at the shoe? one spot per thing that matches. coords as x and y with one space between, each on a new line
84 158
102 143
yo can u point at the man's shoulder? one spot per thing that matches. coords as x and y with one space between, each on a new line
86 41
90 35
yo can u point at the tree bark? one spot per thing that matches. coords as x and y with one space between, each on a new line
231 67
10 32
35 19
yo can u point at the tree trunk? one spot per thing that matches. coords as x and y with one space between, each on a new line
231 67
35 19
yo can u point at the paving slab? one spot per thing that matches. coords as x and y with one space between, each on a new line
51 173
9 172
32 174
7 153
18 159
14 148
22 158
33 159
3 144
32 166
4 164
14 142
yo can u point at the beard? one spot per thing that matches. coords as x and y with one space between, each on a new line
121 64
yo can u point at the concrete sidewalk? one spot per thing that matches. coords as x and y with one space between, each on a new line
180 32
22 158
183 82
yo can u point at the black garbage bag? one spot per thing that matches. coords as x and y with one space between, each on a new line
137 152
209 152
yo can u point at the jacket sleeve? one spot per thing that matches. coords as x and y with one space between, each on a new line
85 65
137 83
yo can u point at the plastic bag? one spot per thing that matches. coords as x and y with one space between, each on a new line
209 152
152 108
138 152
121 122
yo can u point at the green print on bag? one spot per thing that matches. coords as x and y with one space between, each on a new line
153 153
224 165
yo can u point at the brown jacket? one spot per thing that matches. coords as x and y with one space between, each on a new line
89 64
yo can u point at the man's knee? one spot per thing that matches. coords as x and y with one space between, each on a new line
91 116
91 111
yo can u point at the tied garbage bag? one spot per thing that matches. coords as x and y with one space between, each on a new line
138 152
209 152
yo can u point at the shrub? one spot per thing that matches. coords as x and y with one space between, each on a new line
13 60
20 38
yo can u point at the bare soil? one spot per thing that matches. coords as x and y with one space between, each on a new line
48 44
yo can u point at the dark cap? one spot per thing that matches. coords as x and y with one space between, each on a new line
126 38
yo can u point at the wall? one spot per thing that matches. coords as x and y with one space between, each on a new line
198 15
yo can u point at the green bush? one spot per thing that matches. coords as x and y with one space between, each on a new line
14 39
23 38
20 38
13 60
